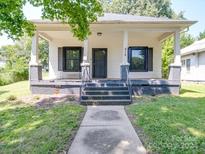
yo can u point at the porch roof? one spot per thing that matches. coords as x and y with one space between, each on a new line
163 27
112 18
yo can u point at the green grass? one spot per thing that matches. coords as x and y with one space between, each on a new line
26 128
17 89
172 124
30 129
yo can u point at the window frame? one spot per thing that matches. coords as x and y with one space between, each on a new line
183 62
188 68
145 48
65 59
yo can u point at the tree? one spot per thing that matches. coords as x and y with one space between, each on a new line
43 53
201 35
168 51
17 58
22 48
167 56
156 8
186 40
78 14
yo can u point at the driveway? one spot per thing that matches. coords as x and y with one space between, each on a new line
106 130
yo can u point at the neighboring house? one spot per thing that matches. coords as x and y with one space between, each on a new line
193 62
118 44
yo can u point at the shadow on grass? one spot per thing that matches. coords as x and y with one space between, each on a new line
183 91
28 129
3 91
171 124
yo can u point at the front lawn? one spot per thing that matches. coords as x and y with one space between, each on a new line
17 89
31 129
172 124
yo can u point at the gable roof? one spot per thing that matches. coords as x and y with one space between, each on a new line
113 18
197 46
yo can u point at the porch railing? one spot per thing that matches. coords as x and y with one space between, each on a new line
128 83
85 77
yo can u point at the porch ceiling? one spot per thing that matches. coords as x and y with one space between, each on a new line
67 35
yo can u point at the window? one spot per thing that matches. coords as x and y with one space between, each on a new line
138 59
72 59
188 64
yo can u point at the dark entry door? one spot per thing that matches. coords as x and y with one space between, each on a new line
99 62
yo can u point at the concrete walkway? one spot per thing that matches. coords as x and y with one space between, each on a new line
106 130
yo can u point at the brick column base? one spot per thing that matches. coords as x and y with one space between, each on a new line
35 72
124 70
175 72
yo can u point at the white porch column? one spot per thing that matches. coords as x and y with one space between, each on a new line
177 55
85 53
175 68
125 47
34 50
35 71
85 73
124 68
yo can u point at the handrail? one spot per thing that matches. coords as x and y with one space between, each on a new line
84 79
129 84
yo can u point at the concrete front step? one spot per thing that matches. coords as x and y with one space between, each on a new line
104 97
105 85
106 92
106 102
106 88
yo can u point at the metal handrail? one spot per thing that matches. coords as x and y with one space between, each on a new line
85 73
129 84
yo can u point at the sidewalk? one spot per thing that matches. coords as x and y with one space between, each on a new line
106 130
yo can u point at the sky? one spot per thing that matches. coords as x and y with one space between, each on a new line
193 10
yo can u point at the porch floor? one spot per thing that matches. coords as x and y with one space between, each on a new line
73 86
78 82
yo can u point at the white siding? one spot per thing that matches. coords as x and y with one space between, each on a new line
113 41
197 69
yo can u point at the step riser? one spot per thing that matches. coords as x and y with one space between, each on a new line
105 97
105 88
105 103
109 93
105 85
105 94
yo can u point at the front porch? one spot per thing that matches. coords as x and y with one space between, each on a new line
139 86
121 48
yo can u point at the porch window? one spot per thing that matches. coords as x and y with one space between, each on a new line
72 59
138 58
188 64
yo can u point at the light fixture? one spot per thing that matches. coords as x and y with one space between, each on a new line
99 33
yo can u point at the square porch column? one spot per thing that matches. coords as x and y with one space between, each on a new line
175 68
85 65
124 67
35 69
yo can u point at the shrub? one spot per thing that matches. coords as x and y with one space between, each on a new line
12 98
14 75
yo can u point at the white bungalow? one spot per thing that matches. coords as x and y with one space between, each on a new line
118 44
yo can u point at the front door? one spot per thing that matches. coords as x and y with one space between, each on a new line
99 63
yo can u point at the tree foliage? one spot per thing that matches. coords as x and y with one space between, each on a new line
17 58
156 8
186 40
201 35
78 14
167 56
